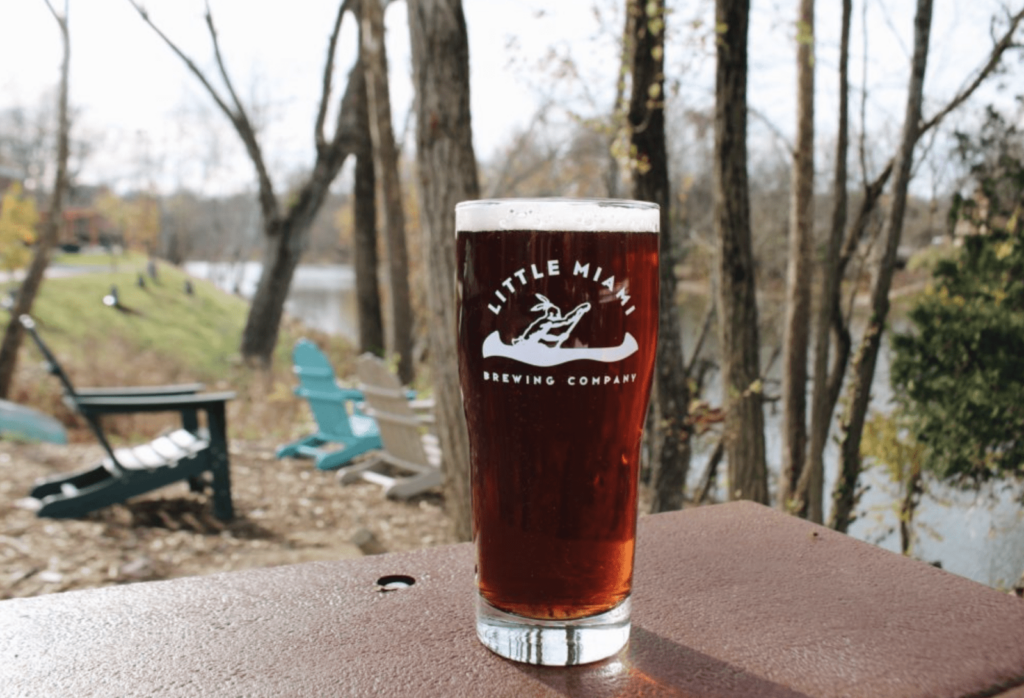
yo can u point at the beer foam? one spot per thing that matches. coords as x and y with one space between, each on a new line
557 215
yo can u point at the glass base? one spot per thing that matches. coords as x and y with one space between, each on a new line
553 642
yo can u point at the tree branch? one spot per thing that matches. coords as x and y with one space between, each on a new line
189 63
57 16
268 202
874 189
240 121
780 137
325 93
709 314
995 56
239 114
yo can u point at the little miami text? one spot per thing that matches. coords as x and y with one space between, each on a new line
509 287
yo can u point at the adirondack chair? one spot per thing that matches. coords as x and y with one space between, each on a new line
185 454
343 430
410 460
27 424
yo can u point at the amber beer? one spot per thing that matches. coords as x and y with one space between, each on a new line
558 317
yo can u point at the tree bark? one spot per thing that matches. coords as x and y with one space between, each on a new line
844 497
796 331
30 285
386 162
364 223
737 295
447 175
809 499
908 507
650 183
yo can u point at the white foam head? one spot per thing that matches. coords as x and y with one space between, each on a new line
563 215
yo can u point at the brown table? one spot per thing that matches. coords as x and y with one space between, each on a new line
729 600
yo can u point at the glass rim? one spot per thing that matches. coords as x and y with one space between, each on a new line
559 200
557 214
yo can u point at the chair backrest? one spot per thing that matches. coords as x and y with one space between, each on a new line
389 405
317 384
51 361
69 389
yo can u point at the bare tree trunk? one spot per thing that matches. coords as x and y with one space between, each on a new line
386 161
364 223
798 273
650 183
908 507
809 497
844 495
737 295
447 175
710 476
286 240
33 280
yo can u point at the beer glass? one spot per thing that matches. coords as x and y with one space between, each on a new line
557 327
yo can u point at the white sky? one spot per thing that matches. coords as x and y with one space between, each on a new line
140 104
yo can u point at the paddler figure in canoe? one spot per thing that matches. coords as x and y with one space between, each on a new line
552 328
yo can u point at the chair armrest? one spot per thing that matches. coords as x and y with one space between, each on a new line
152 403
140 391
339 394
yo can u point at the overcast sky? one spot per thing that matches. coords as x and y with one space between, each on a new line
140 105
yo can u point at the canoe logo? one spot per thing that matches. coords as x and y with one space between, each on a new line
540 344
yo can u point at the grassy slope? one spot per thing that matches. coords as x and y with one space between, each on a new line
164 336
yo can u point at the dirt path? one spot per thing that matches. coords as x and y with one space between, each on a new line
287 512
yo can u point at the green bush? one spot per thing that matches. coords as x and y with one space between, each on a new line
959 372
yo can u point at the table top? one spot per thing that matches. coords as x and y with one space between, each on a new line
729 600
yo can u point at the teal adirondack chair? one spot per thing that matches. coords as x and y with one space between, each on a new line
343 431
26 424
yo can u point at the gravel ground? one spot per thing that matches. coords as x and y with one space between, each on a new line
286 512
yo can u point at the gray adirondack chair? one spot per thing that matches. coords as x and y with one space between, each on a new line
410 461
184 454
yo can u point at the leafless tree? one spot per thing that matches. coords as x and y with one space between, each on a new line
33 280
737 298
286 224
364 224
646 120
447 175
385 156
864 364
798 272
809 487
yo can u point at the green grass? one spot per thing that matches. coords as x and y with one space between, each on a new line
195 334
163 335
134 259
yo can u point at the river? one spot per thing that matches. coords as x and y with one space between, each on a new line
976 535
321 296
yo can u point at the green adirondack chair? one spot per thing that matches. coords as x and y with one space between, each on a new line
343 430
188 453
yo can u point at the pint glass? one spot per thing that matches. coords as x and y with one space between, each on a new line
557 325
